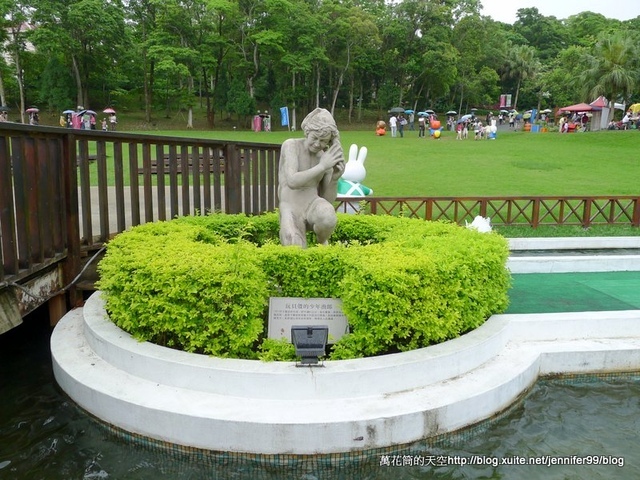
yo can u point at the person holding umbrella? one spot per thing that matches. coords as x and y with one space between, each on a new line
422 124
34 119
113 120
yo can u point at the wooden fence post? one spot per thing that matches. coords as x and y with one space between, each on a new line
71 266
232 179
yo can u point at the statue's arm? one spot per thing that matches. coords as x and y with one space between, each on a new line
328 187
290 168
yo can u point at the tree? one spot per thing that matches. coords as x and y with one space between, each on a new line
16 29
546 34
613 69
480 43
520 64
562 79
347 31
586 27
87 33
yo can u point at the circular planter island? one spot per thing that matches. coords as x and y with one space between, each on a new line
347 406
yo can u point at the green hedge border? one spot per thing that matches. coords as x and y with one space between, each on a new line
202 284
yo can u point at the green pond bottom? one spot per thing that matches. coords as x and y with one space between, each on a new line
574 292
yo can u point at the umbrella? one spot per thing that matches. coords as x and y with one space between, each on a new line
546 110
32 110
4 108
526 115
67 112
504 111
82 112
430 112
108 110
635 108
464 118
408 112
452 112
397 110
423 114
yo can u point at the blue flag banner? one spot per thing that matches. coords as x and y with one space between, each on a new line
284 115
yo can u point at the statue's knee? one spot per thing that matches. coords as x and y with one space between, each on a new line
292 237
326 216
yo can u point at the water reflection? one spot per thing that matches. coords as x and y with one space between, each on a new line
44 436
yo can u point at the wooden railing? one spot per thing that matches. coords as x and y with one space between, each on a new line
64 193
511 211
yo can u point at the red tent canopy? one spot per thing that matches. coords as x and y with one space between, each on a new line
600 102
578 107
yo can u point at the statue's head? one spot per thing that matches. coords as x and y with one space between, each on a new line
321 122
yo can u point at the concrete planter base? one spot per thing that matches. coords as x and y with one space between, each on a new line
345 406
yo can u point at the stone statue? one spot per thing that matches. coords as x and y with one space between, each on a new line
307 185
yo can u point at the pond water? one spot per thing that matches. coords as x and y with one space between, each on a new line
593 421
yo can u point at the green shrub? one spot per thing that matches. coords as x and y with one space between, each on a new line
202 284
164 285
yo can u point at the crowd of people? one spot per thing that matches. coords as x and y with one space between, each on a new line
82 119
398 122
628 121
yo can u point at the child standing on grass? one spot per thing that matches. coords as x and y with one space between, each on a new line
478 130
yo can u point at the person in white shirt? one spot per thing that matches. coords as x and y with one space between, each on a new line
625 121
393 123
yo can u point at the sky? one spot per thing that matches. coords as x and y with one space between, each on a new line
505 10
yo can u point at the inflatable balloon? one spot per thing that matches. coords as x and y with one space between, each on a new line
436 134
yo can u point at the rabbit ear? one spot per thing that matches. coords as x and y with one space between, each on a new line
353 152
362 155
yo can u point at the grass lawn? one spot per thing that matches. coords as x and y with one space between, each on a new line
516 163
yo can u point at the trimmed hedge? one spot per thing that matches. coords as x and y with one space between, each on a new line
202 284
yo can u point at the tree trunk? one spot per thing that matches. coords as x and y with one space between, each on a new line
3 99
461 98
360 102
148 88
20 80
351 87
317 86
78 79
515 102
340 81
292 120
256 66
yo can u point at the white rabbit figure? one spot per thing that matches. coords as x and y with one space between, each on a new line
354 170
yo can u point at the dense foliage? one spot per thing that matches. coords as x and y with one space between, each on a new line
238 56
202 284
